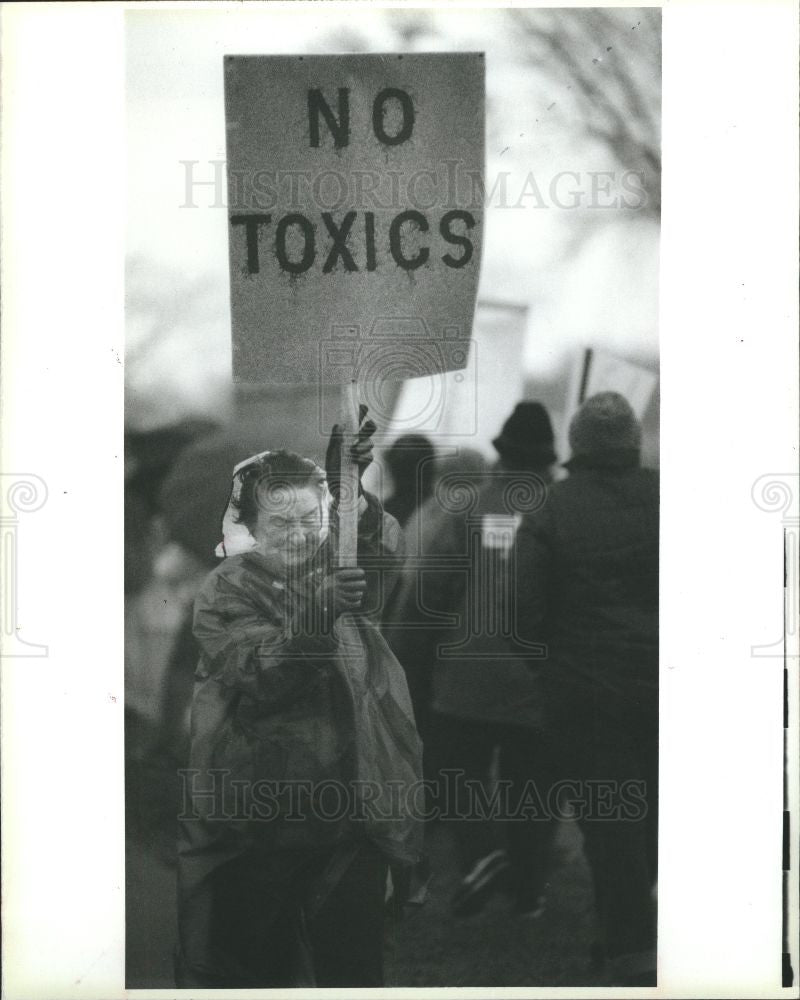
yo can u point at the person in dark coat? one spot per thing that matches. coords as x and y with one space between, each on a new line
587 566
476 702
302 731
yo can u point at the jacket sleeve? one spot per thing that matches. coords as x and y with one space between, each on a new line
534 570
248 647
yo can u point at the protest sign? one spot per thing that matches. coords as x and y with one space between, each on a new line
355 189
467 409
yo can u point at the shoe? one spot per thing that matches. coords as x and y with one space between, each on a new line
483 881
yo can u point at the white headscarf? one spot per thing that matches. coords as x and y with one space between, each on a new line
236 537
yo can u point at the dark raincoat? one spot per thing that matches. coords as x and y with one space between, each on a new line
302 738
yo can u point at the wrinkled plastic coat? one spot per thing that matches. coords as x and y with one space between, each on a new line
323 711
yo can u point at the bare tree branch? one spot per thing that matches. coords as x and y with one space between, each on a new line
610 63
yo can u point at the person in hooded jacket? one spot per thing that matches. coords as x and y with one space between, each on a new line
587 565
302 737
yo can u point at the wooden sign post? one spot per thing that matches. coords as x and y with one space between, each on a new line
355 211
347 554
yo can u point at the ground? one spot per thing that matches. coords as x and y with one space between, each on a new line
427 948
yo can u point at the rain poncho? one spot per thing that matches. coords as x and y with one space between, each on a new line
301 738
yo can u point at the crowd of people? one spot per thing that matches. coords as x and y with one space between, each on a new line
490 664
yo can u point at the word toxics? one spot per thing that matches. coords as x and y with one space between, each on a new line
354 242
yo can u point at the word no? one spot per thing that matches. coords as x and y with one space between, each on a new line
352 241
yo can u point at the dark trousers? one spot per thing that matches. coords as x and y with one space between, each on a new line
261 935
460 745
605 742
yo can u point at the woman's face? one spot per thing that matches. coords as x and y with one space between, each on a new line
289 527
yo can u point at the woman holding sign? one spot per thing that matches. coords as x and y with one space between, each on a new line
303 740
